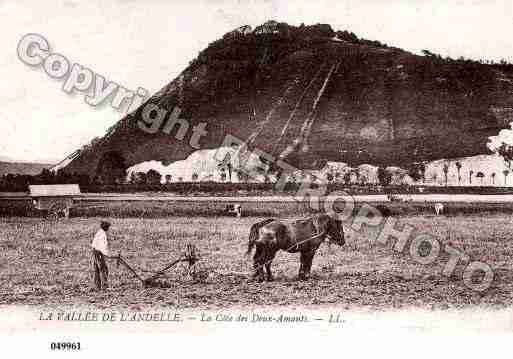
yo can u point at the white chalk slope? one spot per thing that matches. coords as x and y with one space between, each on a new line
481 170
203 163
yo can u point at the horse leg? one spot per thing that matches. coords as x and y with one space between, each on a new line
306 264
258 262
268 260
302 266
309 262
301 276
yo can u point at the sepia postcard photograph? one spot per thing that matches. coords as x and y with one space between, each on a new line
249 178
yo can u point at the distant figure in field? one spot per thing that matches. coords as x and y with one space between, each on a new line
397 198
235 209
392 197
439 208
100 246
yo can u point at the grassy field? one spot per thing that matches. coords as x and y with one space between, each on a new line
163 209
46 263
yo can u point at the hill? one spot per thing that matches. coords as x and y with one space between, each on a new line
309 95
23 168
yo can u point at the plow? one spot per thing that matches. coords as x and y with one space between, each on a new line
189 256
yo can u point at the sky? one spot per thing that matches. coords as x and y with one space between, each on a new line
148 43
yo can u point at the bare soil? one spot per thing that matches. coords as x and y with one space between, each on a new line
47 263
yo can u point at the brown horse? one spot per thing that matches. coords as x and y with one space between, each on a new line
296 235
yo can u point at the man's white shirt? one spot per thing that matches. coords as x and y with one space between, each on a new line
100 242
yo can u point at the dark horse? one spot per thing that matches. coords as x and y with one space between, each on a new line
296 235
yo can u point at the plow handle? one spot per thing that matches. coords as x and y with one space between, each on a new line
122 261
160 272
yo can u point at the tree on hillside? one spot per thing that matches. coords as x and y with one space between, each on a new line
62 177
429 53
506 152
111 168
138 178
435 177
16 182
363 180
194 177
446 171
243 176
348 36
480 175
46 176
230 168
222 174
168 178
291 178
417 171
470 174
458 167
226 165
153 177
347 177
493 178
132 178
505 173
384 177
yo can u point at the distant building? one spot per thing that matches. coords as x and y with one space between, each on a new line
57 199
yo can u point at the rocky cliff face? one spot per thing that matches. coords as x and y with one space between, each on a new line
311 95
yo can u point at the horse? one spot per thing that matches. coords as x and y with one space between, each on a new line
292 236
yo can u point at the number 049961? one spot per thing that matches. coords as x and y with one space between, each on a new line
65 346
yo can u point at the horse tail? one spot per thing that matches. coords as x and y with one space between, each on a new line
253 233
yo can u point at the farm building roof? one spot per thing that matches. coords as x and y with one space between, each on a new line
54 190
